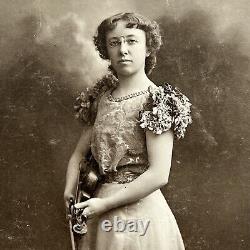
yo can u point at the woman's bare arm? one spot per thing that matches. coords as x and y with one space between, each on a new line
159 149
81 149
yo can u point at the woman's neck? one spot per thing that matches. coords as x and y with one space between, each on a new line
133 83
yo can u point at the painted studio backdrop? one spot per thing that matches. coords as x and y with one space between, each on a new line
47 57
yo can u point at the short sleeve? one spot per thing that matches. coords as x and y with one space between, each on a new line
86 107
166 109
86 103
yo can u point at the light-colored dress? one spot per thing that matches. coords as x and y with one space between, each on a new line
118 144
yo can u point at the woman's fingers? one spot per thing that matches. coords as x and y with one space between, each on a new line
86 212
81 205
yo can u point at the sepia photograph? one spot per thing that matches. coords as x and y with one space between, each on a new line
125 125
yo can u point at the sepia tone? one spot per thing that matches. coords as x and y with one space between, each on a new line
47 57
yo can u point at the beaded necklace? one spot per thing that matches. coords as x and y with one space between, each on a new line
122 98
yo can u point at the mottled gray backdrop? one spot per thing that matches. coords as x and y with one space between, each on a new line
47 57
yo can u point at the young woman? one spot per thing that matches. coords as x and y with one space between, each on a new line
130 127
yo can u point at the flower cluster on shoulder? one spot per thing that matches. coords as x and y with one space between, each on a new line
85 105
168 109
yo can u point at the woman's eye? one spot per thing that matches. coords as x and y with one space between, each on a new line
132 41
116 43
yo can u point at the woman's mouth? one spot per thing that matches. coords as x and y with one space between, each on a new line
124 61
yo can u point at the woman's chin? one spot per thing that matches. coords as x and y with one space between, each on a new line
125 71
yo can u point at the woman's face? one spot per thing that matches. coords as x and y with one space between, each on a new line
126 49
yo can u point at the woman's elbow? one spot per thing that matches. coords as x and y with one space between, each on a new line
161 179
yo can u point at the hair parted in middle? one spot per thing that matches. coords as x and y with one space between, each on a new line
133 20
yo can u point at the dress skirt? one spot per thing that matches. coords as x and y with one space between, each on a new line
147 224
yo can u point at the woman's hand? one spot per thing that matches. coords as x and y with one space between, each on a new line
93 207
67 196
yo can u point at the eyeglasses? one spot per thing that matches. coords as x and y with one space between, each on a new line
114 42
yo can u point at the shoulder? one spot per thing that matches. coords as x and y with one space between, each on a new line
86 103
166 108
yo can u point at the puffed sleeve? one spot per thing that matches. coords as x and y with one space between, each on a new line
86 107
166 109
86 103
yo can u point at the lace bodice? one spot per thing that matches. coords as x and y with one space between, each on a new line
118 140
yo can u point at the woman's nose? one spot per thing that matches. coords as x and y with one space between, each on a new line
123 48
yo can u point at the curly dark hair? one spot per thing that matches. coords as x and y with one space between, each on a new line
134 20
